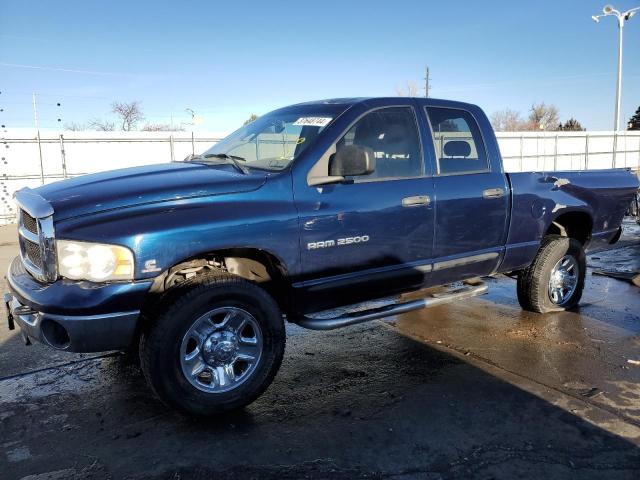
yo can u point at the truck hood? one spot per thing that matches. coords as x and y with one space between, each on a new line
126 187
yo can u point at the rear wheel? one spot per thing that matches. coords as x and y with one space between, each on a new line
215 345
555 279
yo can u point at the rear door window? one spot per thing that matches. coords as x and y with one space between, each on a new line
457 141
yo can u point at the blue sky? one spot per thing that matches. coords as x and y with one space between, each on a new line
227 60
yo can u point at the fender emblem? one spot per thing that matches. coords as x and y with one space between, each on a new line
150 267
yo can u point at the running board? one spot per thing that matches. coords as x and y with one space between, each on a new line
467 290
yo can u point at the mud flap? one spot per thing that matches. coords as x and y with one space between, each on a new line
10 321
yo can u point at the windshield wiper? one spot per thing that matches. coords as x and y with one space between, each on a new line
234 160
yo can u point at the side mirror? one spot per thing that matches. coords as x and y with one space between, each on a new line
352 160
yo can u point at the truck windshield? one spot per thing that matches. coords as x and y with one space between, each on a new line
270 142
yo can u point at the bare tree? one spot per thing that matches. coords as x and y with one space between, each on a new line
507 120
130 114
410 91
252 118
161 127
101 125
76 127
543 117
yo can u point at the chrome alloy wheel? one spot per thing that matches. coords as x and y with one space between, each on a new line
221 349
563 280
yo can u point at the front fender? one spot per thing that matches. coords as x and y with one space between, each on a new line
165 234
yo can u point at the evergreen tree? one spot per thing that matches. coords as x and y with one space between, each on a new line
634 122
571 125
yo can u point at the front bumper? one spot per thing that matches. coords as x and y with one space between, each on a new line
75 316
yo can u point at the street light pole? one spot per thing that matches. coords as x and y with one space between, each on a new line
195 120
619 85
193 116
622 17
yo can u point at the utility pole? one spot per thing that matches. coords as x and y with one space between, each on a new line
35 121
427 79
35 110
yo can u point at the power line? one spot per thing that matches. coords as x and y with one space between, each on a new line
66 70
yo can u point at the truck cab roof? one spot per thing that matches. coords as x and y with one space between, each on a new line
351 101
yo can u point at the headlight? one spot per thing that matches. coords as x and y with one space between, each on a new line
95 262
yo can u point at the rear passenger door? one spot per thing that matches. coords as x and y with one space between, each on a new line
472 198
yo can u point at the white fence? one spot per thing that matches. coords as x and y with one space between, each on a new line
29 161
547 151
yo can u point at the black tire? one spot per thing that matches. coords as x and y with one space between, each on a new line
160 342
533 281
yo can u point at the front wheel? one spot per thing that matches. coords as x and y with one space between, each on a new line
555 279
215 345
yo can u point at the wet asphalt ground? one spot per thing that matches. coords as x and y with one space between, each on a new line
479 389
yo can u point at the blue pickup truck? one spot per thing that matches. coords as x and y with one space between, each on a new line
297 216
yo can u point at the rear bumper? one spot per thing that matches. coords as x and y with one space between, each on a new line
75 316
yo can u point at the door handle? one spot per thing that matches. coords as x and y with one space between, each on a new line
493 193
416 201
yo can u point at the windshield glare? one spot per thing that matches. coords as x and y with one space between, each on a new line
273 141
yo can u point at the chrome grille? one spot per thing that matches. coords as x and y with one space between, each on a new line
33 253
36 235
29 222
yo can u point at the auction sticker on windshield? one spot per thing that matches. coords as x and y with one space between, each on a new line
313 121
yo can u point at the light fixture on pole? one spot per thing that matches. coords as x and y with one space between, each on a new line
622 17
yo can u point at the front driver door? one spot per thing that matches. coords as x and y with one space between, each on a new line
373 235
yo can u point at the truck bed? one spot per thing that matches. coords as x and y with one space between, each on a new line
597 200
